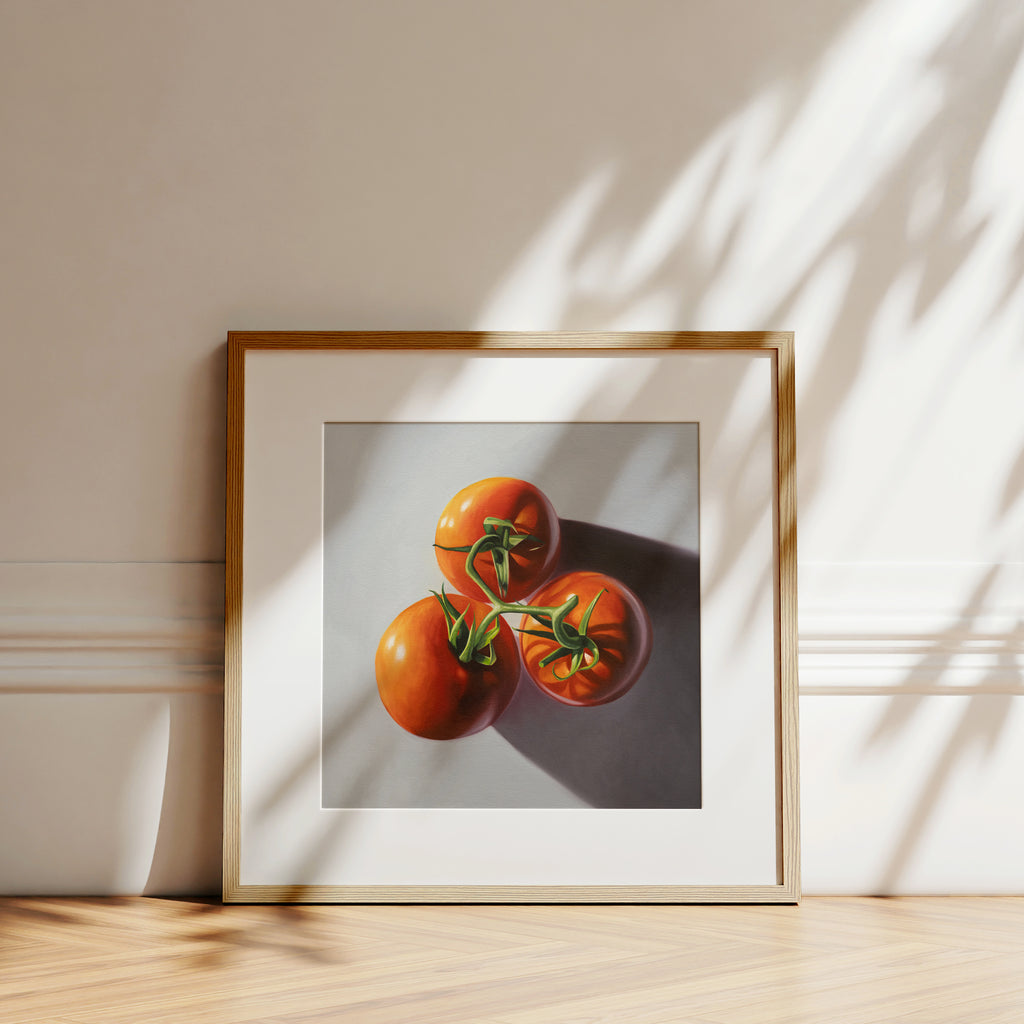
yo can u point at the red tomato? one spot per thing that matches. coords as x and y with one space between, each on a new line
424 686
530 560
618 624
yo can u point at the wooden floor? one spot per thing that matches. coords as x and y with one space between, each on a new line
152 961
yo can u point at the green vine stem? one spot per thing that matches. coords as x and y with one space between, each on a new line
572 643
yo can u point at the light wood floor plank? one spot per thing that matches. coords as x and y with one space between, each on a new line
689 990
873 993
848 961
419 974
40 1020
14 1016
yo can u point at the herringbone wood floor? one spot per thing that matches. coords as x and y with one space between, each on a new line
122 961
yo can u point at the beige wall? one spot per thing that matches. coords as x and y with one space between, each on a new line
848 170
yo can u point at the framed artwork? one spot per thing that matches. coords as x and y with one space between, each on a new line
511 618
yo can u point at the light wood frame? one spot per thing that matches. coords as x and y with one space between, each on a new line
780 346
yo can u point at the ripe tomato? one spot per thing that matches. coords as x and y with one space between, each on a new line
530 559
424 686
618 624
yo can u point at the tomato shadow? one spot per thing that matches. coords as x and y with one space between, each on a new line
642 750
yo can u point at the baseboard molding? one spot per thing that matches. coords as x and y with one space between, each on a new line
120 794
99 627
906 627
865 628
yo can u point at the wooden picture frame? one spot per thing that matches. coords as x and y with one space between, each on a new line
673 453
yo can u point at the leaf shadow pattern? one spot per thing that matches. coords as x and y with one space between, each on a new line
979 728
702 270
219 936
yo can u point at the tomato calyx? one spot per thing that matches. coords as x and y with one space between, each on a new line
619 624
470 641
573 642
500 539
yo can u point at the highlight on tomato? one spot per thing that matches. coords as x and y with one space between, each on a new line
447 667
594 651
506 530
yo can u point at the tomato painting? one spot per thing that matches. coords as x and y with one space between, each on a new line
520 533
423 684
484 500
610 615
448 666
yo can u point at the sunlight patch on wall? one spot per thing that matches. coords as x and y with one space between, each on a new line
537 291
850 133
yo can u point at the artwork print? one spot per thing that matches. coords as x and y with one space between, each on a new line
511 615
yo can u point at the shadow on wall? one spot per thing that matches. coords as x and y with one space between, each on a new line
187 852
981 725
655 167
101 757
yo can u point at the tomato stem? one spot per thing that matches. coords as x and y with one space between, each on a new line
473 641
500 538
571 640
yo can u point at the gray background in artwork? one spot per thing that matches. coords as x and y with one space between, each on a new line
384 488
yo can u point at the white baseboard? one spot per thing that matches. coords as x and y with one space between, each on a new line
871 629
136 627
155 627
111 676
111 690
909 794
